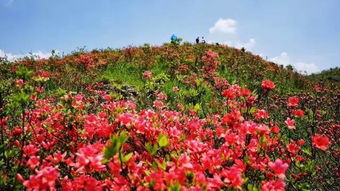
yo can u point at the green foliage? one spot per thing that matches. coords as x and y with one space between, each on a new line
124 73
151 148
162 140
115 144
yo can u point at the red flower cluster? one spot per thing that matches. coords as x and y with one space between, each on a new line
155 154
267 84
210 64
321 142
293 101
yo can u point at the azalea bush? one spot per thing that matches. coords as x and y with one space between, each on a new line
191 129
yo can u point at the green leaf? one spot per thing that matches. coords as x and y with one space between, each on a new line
252 110
109 152
152 149
116 143
175 187
127 157
306 151
123 137
197 107
163 140
250 187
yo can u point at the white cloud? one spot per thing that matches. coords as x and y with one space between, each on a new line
283 59
227 26
224 31
309 68
13 57
301 67
247 45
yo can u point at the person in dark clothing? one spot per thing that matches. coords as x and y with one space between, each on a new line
197 40
203 40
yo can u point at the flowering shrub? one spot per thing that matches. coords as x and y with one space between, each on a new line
202 133
267 84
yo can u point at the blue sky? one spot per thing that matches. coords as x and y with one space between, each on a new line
304 33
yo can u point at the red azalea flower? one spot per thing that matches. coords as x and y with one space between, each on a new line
229 94
298 113
43 180
293 101
301 142
274 185
20 178
321 142
293 147
245 92
158 104
30 150
279 168
89 159
33 162
267 84
261 114
233 176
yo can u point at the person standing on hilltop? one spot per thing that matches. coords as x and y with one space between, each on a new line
173 38
203 40
197 40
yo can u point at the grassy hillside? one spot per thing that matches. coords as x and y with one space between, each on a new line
126 65
332 75
175 117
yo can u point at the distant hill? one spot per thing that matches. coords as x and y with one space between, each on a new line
332 75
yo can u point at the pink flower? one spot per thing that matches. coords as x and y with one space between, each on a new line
30 150
147 75
321 142
43 180
33 162
290 123
175 89
162 96
233 176
158 104
19 82
279 168
274 185
89 159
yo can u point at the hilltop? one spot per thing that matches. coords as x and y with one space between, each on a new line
126 66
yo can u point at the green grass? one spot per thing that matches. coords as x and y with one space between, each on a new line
125 73
131 74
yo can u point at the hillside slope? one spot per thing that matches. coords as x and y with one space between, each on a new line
175 117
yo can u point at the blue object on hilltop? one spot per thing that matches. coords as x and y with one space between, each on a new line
173 37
